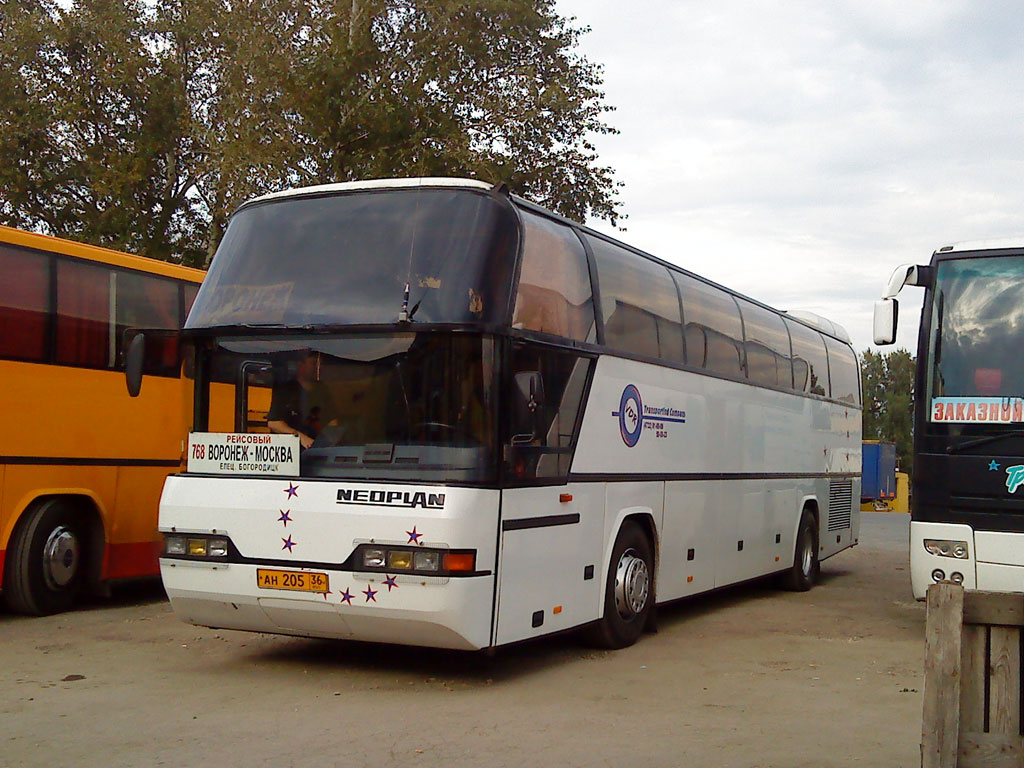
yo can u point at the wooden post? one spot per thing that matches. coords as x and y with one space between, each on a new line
941 720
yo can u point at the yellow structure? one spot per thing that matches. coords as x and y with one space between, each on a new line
902 501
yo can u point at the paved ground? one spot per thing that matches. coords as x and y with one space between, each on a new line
746 677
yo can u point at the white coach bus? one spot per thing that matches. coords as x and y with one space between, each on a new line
463 421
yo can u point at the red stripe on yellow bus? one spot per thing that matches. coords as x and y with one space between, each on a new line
127 561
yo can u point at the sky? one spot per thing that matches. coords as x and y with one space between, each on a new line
798 152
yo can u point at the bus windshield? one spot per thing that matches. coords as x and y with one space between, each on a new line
977 331
347 259
412 406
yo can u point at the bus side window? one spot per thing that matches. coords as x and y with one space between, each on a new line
766 342
539 440
24 304
713 313
842 370
810 365
638 302
144 301
84 334
188 295
554 282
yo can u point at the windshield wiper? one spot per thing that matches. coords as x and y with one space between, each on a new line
983 441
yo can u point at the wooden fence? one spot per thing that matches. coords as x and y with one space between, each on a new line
972 679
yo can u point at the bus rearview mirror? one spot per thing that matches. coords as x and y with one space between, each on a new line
886 315
529 396
530 386
133 364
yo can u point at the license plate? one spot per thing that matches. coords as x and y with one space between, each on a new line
296 581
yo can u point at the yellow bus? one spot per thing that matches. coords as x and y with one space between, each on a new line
81 463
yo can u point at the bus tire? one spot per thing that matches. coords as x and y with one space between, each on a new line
804 572
45 566
629 590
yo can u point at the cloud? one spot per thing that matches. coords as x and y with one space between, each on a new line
798 152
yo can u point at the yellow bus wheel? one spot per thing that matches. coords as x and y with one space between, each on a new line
45 566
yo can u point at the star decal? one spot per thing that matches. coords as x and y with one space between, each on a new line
390 582
325 593
993 466
292 490
414 537
285 517
346 596
288 543
370 594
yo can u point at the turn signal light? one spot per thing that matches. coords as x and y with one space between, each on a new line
465 561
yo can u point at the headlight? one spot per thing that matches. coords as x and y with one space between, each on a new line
195 546
217 548
946 548
374 558
426 561
403 559
174 545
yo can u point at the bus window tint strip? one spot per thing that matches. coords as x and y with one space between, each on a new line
24 304
84 328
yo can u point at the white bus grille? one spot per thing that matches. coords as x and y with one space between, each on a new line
840 505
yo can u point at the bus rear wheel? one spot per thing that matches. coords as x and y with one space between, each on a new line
45 566
629 591
806 568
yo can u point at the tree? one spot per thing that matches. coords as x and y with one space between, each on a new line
888 385
142 124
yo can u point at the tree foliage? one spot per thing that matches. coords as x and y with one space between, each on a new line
142 124
888 385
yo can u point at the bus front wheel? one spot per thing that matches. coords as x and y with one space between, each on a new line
45 566
805 569
629 590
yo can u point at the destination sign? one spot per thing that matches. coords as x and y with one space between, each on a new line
977 410
232 453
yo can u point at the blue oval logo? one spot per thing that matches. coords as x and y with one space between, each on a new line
631 419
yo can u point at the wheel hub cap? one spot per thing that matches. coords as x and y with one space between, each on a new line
807 555
632 583
60 558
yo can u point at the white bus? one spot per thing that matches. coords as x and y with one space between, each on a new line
486 423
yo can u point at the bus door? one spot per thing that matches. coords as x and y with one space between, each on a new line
552 532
